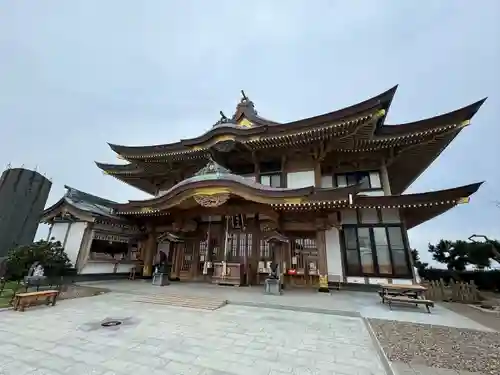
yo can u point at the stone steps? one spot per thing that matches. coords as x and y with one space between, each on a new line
201 303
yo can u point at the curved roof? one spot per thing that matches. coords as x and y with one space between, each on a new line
456 117
262 126
83 202
215 176
420 207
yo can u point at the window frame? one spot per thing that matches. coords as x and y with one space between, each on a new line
376 273
279 175
358 179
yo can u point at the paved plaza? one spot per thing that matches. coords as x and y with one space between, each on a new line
155 339
300 332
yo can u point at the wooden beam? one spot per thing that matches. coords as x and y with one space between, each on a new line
226 209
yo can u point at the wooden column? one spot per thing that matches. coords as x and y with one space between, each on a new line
195 260
317 173
255 248
149 253
84 252
384 177
284 168
322 258
256 167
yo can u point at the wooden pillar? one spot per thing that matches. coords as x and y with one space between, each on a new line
255 248
322 258
384 177
149 253
409 257
84 252
284 161
50 231
257 170
317 173
195 258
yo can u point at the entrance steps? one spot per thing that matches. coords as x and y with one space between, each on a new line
191 302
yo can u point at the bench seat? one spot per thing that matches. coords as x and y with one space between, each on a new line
413 301
23 300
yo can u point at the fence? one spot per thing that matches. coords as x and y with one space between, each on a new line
453 291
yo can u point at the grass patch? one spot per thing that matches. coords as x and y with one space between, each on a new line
7 293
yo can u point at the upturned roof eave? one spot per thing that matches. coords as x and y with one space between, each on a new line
309 193
384 99
438 196
182 146
446 119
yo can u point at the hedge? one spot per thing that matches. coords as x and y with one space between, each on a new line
485 280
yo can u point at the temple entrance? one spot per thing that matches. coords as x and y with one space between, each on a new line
182 260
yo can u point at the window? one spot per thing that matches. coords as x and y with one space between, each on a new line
368 180
365 250
273 180
375 251
399 254
351 250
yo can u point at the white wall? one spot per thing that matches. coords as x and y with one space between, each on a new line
74 240
295 180
402 281
372 193
349 217
59 231
105 267
97 267
326 181
390 216
333 252
368 216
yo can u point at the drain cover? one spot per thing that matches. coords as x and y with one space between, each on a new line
111 323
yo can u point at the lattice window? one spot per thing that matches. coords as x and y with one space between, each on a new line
265 250
187 256
305 255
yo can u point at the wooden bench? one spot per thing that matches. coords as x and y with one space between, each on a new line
23 300
414 301
384 294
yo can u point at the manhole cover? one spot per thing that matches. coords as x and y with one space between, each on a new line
111 323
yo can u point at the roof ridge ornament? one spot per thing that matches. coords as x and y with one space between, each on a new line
223 120
244 98
212 168
246 103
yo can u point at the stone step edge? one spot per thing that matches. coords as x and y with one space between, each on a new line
188 305
183 299
211 303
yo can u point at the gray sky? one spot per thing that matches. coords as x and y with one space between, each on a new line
77 74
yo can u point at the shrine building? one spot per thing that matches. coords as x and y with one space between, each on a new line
323 197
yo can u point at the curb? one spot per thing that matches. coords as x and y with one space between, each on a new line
350 314
380 351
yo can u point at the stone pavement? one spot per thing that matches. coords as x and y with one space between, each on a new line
348 303
156 339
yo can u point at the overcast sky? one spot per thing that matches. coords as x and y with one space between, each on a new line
77 74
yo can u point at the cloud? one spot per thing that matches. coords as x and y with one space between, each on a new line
77 74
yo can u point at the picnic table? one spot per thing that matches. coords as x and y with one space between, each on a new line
412 294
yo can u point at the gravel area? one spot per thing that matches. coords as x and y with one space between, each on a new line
487 319
438 346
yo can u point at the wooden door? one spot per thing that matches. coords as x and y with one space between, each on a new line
185 260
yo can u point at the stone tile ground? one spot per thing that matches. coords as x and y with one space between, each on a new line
164 340
361 304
